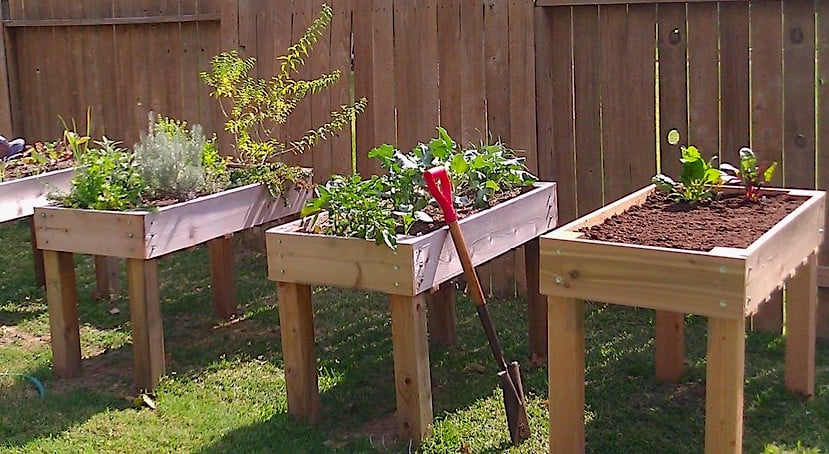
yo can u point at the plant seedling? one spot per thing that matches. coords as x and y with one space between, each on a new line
697 182
750 174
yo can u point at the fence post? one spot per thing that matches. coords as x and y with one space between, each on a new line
8 86
229 10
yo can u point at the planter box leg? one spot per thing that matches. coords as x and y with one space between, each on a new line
411 366
566 374
536 306
769 316
145 318
801 311
107 276
296 325
724 386
222 278
669 343
37 255
63 312
442 317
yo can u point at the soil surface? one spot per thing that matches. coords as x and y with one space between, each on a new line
731 221
421 228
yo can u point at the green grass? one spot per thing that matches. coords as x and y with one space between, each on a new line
225 388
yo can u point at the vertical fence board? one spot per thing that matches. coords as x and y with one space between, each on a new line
301 119
473 112
822 9
734 69
767 119
405 73
564 135
499 273
427 70
320 63
673 83
383 87
703 91
521 70
799 93
340 94
366 13
587 55
451 79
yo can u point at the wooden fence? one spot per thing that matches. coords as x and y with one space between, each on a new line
587 88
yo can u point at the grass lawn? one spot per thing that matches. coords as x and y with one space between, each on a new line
225 387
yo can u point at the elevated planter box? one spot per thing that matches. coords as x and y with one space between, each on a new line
723 284
297 260
19 197
142 237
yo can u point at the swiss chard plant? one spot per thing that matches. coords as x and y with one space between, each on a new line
697 182
751 175
399 198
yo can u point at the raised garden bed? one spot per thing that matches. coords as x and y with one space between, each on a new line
141 237
725 284
297 260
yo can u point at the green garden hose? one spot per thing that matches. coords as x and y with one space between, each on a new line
41 390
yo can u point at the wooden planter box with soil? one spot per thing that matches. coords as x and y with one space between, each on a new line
297 260
724 282
141 237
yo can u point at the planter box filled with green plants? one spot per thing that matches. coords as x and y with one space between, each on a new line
175 190
386 234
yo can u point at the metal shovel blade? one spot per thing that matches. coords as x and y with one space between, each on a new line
518 422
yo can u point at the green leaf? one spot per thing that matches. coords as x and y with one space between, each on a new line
770 171
458 165
663 182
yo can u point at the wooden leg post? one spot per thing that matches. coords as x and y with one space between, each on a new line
669 343
411 366
222 278
63 312
724 386
296 325
145 318
442 317
801 312
107 276
566 374
37 255
536 305
769 316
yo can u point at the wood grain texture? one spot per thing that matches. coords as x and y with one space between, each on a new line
724 385
61 296
107 276
222 276
296 327
822 9
412 380
703 83
566 374
799 94
669 345
146 323
536 305
420 263
19 197
801 312
442 317
734 80
672 43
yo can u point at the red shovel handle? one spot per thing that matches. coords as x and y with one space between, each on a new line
441 189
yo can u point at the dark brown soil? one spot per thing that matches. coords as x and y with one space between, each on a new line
23 167
731 221
421 228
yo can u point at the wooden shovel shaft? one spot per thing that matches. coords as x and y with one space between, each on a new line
477 294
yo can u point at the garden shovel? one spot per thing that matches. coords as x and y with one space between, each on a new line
516 408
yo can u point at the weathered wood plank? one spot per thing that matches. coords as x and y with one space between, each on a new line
822 9
672 43
62 299
801 312
724 385
411 366
146 322
19 197
703 83
442 316
222 276
296 327
566 374
669 345
734 80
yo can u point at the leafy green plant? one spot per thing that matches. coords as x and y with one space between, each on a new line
479 173
355 208
697 182
171 159
751 175
259 104
106 177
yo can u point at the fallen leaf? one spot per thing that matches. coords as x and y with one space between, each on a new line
115 311
144 400
474 367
